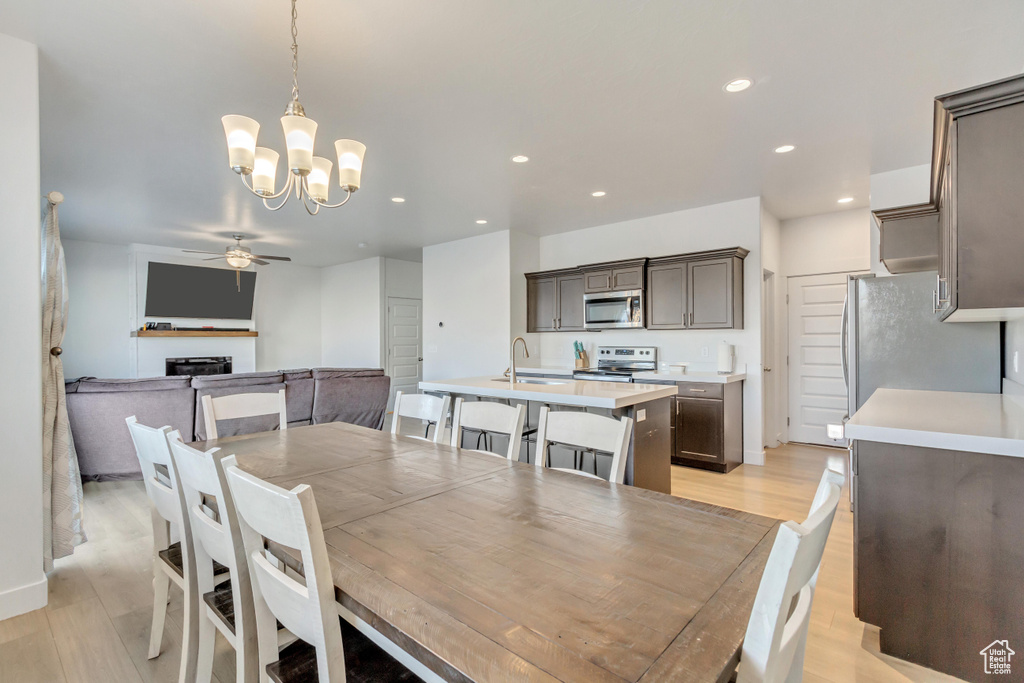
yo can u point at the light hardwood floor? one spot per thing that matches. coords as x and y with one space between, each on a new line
96 626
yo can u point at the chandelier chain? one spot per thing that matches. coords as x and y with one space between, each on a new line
295 53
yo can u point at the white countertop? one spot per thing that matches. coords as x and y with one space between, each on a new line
569 392
979 423
710 377
557 370
658 376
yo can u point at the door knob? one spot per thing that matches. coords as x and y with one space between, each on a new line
767 369
420 360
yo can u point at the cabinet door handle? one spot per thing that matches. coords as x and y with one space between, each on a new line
699 391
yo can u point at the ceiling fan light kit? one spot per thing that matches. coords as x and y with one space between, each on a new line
309 176
238 257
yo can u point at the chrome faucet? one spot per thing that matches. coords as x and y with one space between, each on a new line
512 358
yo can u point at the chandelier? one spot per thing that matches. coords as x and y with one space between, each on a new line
310 176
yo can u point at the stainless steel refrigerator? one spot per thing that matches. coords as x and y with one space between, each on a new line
893 339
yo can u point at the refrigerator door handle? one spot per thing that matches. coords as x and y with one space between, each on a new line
844 341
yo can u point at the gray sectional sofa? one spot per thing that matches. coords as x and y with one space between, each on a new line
97 409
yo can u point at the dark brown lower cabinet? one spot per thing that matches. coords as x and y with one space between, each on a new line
708 426
939 554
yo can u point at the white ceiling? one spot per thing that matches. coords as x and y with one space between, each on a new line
617 95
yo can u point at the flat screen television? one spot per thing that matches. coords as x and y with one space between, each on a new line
174 291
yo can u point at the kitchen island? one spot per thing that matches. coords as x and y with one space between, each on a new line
649 464
939 524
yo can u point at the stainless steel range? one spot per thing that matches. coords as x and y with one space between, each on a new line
618 363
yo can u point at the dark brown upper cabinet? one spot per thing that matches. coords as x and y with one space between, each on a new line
976 182
909 238
696 291
614 277
554 301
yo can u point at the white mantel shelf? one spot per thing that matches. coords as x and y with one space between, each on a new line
566 392
194 333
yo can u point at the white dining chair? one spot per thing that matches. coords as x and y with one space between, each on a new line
490 418
773 648
172 562
234 406
305 604
588 432
216 538
430 409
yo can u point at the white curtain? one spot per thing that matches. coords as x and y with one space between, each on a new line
62 483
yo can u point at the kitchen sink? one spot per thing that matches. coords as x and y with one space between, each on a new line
523 380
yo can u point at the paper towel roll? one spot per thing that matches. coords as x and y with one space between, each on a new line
726 356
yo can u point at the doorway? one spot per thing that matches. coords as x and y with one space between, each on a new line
405 346
817 390
769 383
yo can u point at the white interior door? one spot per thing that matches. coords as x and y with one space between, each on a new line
405 345
817 391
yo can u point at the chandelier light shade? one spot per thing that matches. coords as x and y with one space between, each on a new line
319 180
309 177
241 132
264 171
350 163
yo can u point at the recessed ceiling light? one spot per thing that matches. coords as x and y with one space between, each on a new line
398 200
481 222
845 200
599 193
363 245
738 85
784 148
520 158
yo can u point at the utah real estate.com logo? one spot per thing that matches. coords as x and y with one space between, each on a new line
997 657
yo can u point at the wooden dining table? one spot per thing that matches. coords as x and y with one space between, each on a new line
487 570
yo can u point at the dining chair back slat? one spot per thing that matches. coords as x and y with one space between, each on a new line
777 630
430 409
588 431
490 417
289 518
235 406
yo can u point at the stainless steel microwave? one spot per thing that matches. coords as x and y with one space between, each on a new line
614 310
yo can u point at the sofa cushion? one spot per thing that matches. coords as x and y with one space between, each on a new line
102 440
357 396
93 385
300 395
242 379
242 425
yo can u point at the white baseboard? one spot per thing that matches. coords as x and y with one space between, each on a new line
23 599
753 458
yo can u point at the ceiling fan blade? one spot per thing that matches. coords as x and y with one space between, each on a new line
272 258
215 258
194 251
259 262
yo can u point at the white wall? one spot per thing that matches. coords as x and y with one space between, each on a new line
467 287
902 187
287 311
350 314
96 343
836 242
22 582
732 224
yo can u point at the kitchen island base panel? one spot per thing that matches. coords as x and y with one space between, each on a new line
939 552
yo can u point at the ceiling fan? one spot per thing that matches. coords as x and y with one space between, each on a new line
238 257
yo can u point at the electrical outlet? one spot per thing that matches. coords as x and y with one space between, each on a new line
641 414
705 351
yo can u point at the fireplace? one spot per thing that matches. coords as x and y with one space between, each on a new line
203 365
